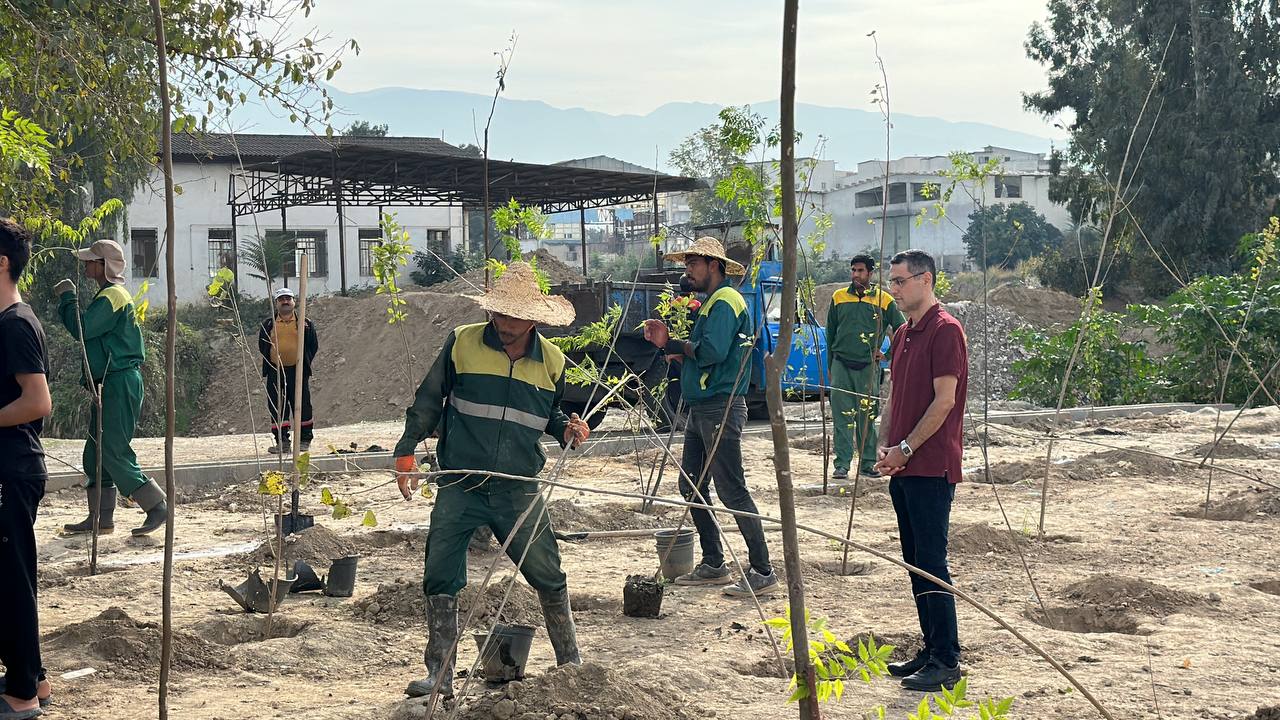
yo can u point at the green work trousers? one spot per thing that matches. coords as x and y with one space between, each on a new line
853 413
121 405
462 505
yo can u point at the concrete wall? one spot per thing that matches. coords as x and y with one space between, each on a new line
203 206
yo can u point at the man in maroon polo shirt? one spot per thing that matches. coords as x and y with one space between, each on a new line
922 451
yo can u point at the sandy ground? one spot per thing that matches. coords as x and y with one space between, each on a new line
1178 611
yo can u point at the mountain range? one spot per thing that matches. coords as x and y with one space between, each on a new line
533 131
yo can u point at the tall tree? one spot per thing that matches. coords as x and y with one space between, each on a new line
364 128
1013 232
711 155
1203 169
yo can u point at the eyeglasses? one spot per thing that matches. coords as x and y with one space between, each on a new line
900 281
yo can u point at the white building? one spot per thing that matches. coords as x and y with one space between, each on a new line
855 201
203 242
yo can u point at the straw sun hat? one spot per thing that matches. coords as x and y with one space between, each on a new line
707 246
516 294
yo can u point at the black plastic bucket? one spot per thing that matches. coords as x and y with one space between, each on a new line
507 651
342 577
675 551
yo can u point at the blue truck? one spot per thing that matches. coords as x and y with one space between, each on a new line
805 371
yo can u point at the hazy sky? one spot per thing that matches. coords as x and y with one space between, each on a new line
955 59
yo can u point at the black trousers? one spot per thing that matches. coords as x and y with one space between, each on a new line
701 429
282 419
19 618
923 507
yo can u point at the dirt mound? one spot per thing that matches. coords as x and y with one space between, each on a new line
360 373
1271 587
982 538
127 646
472 283
1119 593
589 690
317 546
1042 307
1087 619
1241 505
568 516
1008 473
1266 713
1233 450
245 628
1002 352
1120 463
401 604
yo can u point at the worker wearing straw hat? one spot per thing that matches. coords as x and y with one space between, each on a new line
492 392
114 350
713 381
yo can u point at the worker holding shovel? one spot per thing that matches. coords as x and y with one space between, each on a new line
114 352
492 392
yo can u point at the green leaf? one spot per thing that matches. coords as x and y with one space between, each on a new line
370 520
326 496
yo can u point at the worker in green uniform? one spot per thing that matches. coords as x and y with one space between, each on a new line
860 317
113 346
492 392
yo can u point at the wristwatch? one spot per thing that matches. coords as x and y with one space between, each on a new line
905 448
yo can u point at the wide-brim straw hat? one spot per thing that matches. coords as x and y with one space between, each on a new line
516 294
707 246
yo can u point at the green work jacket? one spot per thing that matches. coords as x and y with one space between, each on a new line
490 412
722 341
112 338
858 322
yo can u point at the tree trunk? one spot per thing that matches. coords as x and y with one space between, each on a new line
170 334
775 363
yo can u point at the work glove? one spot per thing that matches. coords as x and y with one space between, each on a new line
64 286
407 475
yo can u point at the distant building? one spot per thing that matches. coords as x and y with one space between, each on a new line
855 201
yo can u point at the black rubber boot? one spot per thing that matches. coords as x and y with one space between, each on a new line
559 617
442 647
150 497
106 514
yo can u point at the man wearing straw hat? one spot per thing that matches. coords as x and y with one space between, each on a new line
492 392
114 350
713 380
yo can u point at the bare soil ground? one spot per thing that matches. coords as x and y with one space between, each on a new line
1148 602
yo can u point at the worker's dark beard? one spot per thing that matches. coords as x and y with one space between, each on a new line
510 338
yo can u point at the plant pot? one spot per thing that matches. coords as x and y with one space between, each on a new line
291 523
507 652
675 551
305 578
642 597
254 595
342 577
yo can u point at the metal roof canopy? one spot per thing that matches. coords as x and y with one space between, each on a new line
364 175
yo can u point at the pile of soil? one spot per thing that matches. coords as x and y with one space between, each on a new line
401 604
317 546
1012 471
472 282
1242 505
1003 349
123 646
363 370
981 538
1232 450
568 516
1120 463
1042 307
1266 713
590 690
1120 593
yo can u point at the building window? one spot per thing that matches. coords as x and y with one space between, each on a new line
867 198
222 252
925 192
897 193
438 241
1008 187
145 252
369 239
315 244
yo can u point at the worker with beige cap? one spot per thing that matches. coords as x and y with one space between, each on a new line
113 347
491 394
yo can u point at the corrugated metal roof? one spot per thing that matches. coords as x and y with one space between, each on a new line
250 147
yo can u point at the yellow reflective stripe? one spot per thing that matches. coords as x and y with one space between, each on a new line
702 381
880 298
471 355
728 295
117 295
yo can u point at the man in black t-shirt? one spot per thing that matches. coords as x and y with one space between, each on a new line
24 403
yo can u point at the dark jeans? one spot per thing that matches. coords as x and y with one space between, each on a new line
19 621
700 432
923 507
280 421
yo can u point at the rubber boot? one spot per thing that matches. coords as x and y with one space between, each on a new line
150 497
442 647
106 514
559 618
